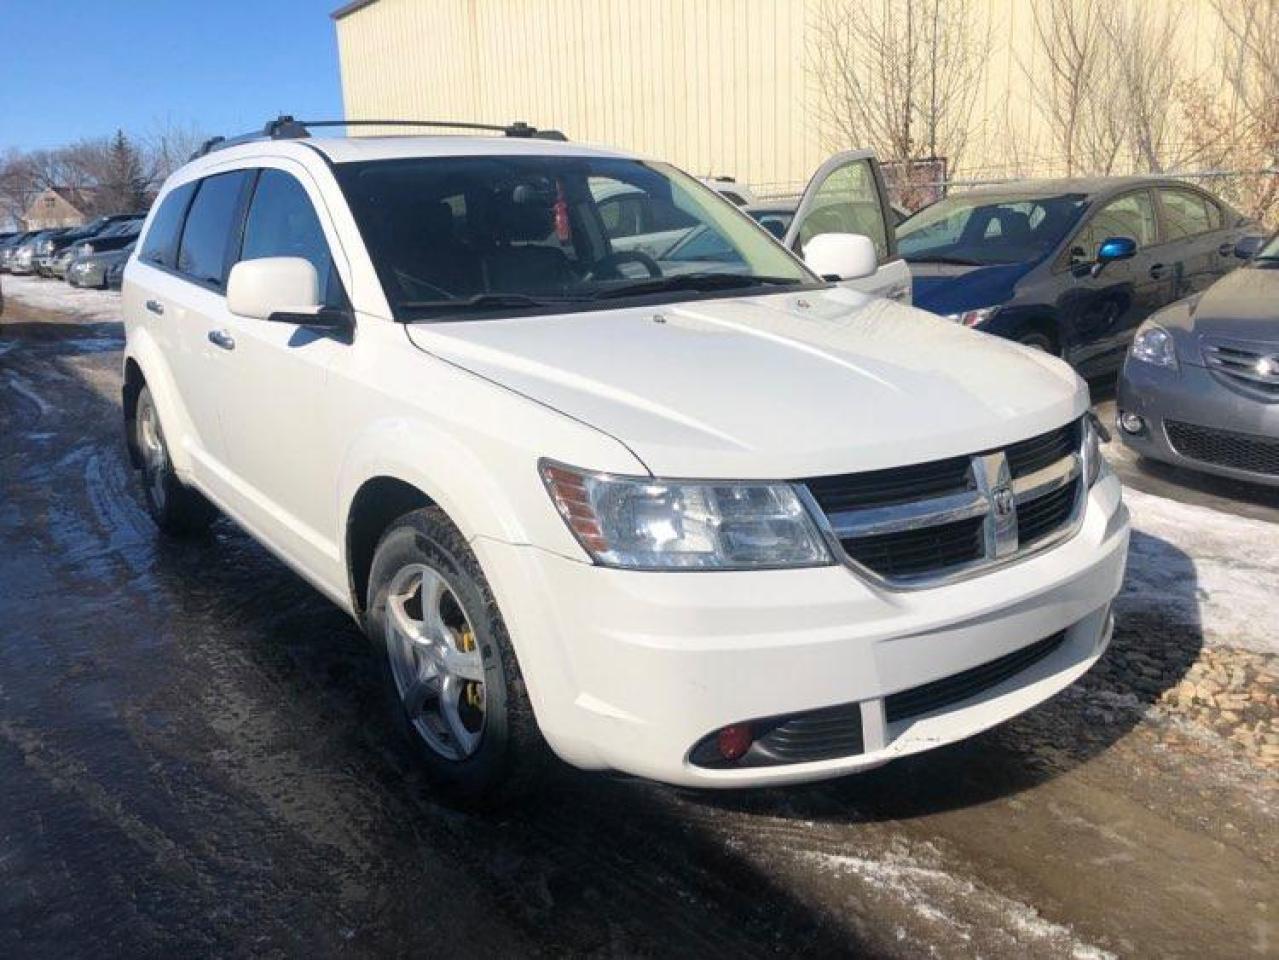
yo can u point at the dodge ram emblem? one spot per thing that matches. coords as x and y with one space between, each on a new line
1003 499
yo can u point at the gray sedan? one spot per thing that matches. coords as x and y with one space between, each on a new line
1200 385
91 270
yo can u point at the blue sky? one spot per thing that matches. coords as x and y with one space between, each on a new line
81 68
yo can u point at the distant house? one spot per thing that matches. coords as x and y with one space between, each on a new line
56 207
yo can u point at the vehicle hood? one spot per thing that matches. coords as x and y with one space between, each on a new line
945 288
1242 306
780 387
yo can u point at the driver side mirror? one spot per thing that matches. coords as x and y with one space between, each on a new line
841 256
1246 248
1112 249
283 290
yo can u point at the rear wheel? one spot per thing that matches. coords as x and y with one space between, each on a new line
1037 339
453 684
176 509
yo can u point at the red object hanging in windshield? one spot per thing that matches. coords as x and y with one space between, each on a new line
563 232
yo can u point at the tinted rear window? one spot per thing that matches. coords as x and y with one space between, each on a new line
202 254
162 237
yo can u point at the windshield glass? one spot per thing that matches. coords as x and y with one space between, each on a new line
451 235
984 229
1270 251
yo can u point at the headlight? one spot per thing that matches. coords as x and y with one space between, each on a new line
1153 344
1094 436
971 318
86 249
643 523
46 246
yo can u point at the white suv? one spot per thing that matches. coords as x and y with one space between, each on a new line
715 521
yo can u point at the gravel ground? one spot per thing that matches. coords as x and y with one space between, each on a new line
191 759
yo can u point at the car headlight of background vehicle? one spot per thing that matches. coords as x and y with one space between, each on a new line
651 524
1154 344
971 318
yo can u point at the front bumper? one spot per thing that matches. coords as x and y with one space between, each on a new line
629 670
1191 394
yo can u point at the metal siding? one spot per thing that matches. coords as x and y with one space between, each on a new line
716 86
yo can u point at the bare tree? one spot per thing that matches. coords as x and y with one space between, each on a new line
169 145
1140 37
1077 84
900 77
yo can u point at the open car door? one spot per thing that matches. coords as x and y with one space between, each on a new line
847 195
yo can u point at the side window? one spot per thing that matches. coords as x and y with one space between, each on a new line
206 238
1132 215
283 223
847 202
1187 213
161 244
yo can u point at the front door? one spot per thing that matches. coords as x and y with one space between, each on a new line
274 402
847 195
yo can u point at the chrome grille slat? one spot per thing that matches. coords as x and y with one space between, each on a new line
1251 368
1012 502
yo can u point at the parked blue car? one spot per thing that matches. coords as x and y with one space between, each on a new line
1071 266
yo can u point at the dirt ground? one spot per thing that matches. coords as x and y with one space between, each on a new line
193 763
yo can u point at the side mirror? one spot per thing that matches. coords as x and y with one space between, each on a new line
1112 249
271 285
1246 248
841 256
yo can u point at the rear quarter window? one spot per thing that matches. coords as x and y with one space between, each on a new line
161 245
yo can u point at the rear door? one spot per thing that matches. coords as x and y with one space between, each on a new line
197 304
847 195
1197 246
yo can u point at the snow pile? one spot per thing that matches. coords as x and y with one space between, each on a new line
1206 569
75 303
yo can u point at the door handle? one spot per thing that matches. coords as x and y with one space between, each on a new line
1226 249
155 306
1157 271
220 338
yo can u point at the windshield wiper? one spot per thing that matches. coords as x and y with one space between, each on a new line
956 261
488 301
694 281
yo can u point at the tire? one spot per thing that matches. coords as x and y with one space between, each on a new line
177 510
477 740
1037 340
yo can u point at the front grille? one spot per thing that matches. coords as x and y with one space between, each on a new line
878 488
1225 448
954 689
1250 368
1040 517
915 524
915 552
1026 457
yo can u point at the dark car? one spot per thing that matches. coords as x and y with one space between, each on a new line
1200 386
116 237
51 247
1069 266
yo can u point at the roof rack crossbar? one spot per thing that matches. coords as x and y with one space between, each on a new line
286 127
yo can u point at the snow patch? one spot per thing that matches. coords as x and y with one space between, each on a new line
922 888
97 306
1203 568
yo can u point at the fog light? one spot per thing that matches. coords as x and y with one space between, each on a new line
1131 423
734 740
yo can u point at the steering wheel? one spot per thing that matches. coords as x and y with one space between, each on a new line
605 268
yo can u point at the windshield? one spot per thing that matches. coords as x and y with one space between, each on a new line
982 229
1270 251
460 235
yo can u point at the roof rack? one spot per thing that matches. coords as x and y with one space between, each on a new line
286 127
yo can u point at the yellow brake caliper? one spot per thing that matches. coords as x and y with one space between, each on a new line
474 691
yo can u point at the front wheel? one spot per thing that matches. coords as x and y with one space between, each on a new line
176 509
1037 340
453 684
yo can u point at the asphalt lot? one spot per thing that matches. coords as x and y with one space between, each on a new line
193 761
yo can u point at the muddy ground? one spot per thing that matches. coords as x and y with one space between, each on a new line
193 762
